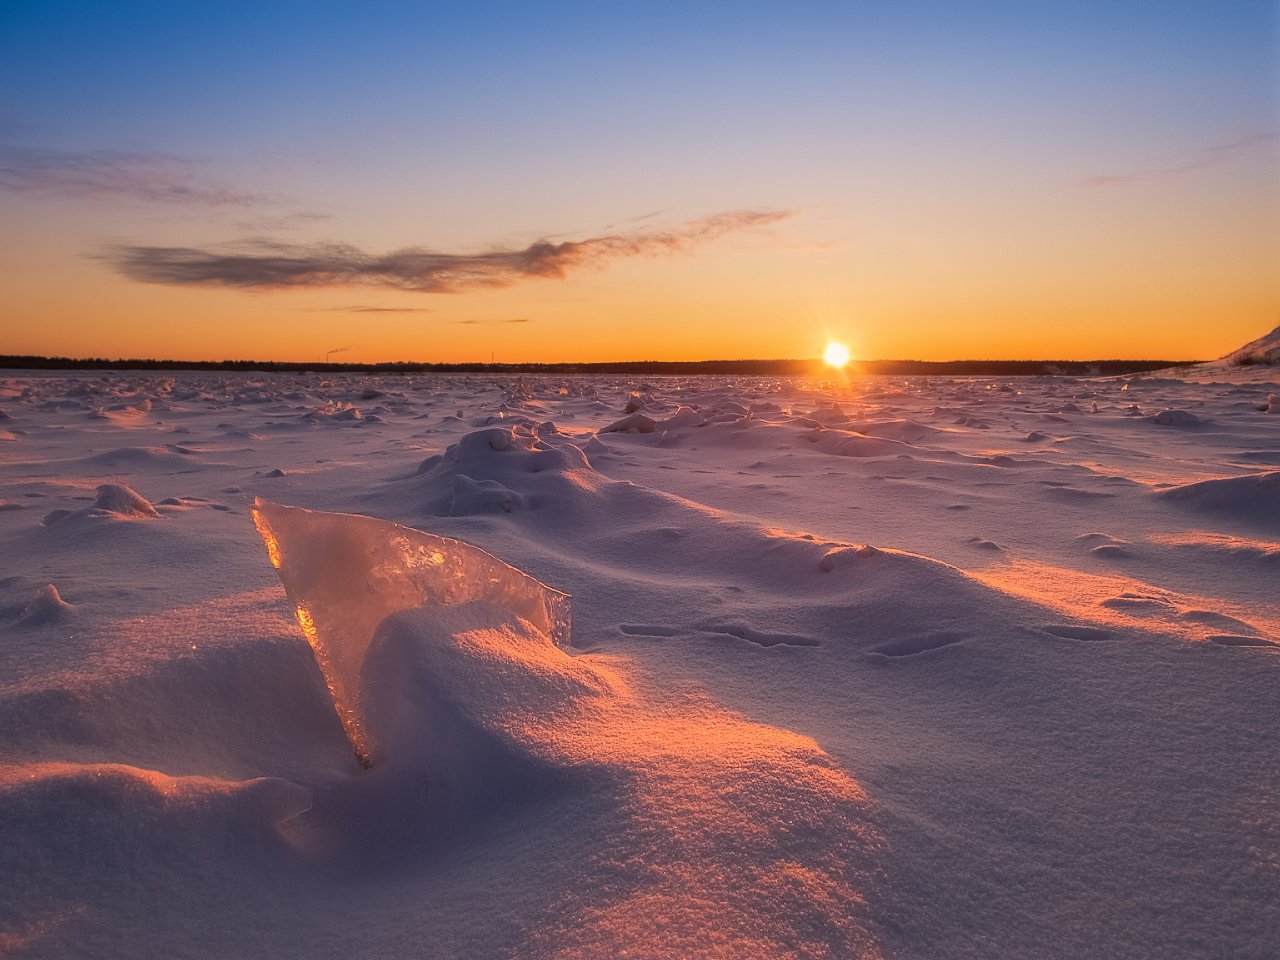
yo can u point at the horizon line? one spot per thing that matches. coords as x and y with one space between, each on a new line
38 361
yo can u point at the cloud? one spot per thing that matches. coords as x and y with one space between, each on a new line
268 265
361 309
114 175
488 322
288 221
1209 157
640 219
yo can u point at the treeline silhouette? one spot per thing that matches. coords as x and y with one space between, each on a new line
778 368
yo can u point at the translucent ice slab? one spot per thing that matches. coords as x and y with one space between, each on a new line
344 574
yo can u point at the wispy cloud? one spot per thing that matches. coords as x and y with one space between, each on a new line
265 265
640 219
490 322
361 309
288 221
1209 157
114 175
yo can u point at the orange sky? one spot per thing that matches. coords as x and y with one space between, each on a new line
917 188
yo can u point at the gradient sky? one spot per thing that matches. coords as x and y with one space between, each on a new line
597 181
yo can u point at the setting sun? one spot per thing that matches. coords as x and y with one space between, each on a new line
836 354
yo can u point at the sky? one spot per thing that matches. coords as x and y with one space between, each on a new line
605 181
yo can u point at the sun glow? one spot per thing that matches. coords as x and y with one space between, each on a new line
836 354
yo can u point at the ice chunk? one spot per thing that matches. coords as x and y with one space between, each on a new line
636 421
117 498
683 417
345 574
1175 418
47 606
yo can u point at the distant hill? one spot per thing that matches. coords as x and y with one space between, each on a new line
776 368
1264 351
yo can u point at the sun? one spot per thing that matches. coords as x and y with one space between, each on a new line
836 354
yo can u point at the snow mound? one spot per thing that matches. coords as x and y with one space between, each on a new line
908 431
683 417
335 413
1253 498
137 823
114 501
479 709
485 470
345 574
482 496
638 422
798 585
845 443
447 691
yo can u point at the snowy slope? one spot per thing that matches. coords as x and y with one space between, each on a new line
1264 350
1257 362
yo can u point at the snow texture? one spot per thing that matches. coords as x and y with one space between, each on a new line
863 667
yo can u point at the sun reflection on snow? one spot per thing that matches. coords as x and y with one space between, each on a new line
1121 602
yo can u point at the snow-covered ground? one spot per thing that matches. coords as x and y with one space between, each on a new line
918 668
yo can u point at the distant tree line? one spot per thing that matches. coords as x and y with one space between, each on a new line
777 368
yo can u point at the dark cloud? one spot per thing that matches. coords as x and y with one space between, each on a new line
266 265
488 322
114 175
1206 158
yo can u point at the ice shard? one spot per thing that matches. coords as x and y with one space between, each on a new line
344 574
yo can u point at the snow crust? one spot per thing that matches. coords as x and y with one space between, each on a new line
865 667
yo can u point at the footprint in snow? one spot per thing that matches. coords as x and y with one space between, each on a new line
1141 603
1071 631
914 646
647 630
761 638
1232 640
